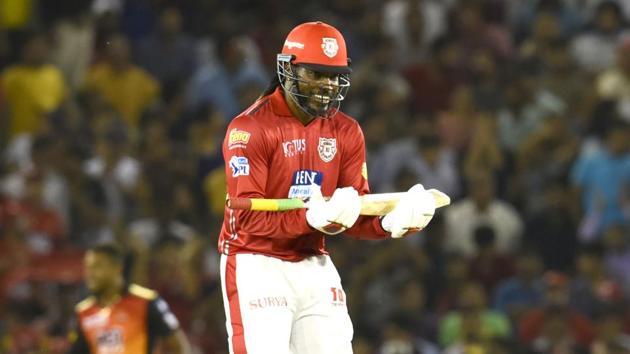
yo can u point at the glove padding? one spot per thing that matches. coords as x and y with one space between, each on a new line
335 215
412 213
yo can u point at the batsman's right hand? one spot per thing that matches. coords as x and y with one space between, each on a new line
412 213
335 215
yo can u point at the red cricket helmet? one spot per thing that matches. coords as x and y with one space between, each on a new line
318 46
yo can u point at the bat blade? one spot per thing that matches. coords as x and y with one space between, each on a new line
383 203
379 203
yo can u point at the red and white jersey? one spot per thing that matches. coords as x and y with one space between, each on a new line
269 153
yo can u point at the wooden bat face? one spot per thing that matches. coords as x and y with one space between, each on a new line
383 203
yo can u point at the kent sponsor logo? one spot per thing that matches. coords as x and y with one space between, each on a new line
239 166
238 138
303 182
266 302
294 147
307 177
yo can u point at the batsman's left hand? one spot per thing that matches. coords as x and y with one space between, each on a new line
335 215
412 213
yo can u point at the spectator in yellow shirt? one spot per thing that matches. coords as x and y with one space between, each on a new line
127 87
32 88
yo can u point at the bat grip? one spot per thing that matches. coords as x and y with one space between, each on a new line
239 203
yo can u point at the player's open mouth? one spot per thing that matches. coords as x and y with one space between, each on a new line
325 99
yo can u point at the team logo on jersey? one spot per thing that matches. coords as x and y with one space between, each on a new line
239 166
327 149
238 138
330 46
294 147
110 341
304 183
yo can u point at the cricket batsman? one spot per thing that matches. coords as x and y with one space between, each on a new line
282 293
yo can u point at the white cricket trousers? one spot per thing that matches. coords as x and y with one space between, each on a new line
279 307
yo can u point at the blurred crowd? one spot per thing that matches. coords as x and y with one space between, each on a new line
112 115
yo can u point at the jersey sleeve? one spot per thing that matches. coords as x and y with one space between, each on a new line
354 173
248 152
161 321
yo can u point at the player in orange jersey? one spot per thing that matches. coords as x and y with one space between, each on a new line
121 318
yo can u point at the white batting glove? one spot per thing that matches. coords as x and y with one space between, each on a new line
412 213
335 215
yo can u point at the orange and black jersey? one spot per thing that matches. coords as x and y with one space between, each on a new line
130 326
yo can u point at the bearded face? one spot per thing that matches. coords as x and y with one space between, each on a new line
318 93
319 88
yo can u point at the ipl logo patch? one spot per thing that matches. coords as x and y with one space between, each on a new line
239 166
330 46
327 149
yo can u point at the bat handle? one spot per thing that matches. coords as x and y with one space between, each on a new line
239 203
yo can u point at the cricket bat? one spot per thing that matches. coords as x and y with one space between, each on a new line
371 204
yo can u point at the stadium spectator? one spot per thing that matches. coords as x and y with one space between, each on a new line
614 82
523 291
414 25
473 322
423 157
594 49
591 286
556 335
601 177
217 83
565 327
32 88
175 49
482 207
122 84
